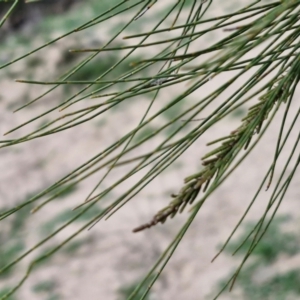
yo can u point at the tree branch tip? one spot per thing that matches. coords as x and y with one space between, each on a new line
79 50
138 229
191 209
233 282
76 207
215 257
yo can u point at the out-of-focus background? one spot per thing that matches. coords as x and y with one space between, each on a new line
108 261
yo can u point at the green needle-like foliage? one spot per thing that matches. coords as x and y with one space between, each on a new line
259 44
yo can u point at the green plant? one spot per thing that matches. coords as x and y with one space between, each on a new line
44 286
10 251
274 243
274 286
126 291
4 292
259 55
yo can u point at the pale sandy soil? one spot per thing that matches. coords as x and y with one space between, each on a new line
114 256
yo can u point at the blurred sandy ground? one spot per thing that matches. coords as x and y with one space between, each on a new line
111 256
